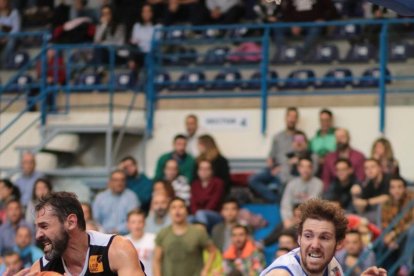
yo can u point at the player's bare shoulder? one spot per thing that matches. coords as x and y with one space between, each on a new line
123 258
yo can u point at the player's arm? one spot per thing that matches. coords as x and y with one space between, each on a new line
278 272
30 271
35 267
156 262
123 258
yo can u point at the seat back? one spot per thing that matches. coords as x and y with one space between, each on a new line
337 78
289 54
190 81
361 53
371 76
17 60
301 78
216 55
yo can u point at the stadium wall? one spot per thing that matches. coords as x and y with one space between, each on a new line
248 142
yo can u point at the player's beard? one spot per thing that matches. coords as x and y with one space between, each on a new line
313 269
57 246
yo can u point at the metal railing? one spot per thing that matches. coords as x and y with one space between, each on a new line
162 38
47 89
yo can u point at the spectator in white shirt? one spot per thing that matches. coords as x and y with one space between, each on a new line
144 242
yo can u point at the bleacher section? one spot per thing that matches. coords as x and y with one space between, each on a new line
195 62
240 62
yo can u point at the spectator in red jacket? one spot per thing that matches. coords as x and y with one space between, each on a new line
55 68
55 75
345 151
206 195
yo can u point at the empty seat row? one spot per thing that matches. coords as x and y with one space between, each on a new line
230 79
288 54
123 81
346 31
180 34
85 82
328 53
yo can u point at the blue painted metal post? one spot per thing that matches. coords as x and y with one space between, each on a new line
151 93
67 86
111 109
43 87
264 75
383 77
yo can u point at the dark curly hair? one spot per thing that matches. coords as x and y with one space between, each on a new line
63 204
324 210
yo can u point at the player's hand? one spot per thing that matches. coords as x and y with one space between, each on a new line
374 271
23 272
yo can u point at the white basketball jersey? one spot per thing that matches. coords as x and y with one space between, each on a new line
291 263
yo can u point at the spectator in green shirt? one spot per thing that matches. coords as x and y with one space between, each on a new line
324 141
179 247
186 162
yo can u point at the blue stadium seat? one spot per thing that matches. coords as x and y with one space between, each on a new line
361 53
180 56
190 56
22 83
122 55
211 33
87 79
348 31
336 78
239 32
370 77
326 53
216 55
190 81
289 54
125 81
175 35
81 55
161 80
17 60
255 80
228 79
299 79
399 52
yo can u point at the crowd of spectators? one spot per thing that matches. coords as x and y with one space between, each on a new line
188 219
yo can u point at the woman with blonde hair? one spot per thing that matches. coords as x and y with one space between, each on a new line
209 151
382 151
